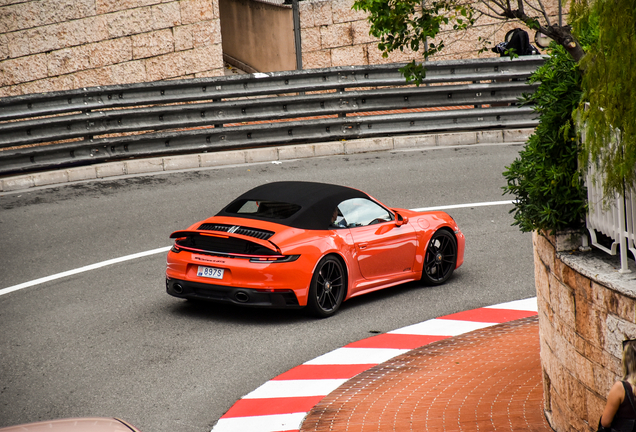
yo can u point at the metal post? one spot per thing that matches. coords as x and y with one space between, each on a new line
560 14
623 236
297 41
425 38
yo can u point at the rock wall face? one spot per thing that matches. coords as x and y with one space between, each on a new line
586 310
50 45
335 35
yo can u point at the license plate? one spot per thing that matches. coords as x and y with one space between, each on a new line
210 272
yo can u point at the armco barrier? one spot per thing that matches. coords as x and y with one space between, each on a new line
100 124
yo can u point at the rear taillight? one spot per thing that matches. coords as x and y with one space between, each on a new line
274 259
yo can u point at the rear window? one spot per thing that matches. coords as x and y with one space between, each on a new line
263 209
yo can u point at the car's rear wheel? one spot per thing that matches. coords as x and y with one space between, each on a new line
440 258
327 289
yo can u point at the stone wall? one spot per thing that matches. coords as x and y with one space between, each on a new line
586 310
258 36
49 45
334 35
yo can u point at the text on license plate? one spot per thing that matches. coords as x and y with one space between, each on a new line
210 272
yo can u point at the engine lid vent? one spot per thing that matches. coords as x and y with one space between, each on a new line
246 231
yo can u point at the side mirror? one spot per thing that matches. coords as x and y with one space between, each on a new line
400 220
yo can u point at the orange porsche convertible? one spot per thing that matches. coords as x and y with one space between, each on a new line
312 245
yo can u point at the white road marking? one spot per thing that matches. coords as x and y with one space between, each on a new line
269 423
83 269
13 288
442 327
522 305
456 206
295 388
354 356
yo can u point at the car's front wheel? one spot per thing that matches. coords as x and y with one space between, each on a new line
440 258
327 289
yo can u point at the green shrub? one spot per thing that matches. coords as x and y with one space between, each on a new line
609 85
549 190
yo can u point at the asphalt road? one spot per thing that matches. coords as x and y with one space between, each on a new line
111 342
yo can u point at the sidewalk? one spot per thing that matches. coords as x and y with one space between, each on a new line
487 380
477 370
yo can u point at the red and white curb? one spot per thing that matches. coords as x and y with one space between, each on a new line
280 405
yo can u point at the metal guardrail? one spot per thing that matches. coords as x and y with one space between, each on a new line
170 117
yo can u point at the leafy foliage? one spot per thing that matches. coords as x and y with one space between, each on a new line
609 84
405 23
545 178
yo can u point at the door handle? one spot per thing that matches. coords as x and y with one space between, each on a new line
363 245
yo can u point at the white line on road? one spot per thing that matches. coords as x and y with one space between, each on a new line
456 206
83 269
10 289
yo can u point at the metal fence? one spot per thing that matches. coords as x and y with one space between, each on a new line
91 125
615 219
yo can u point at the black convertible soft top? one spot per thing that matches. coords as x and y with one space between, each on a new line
317 202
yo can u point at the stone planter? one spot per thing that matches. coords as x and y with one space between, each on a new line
586 310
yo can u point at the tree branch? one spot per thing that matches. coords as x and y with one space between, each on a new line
543 11
496 2
498 15
560 34
563 36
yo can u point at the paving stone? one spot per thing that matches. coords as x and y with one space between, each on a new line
50 177
81 173
295 152
222 158
410 141
140 166
490 137
368 145
181 162
486 380
17 183
111 169
517 135
461 138
329 148
264 154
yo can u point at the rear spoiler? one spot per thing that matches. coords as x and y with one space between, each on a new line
222 234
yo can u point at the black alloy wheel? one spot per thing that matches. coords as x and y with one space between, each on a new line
440 258
328 286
